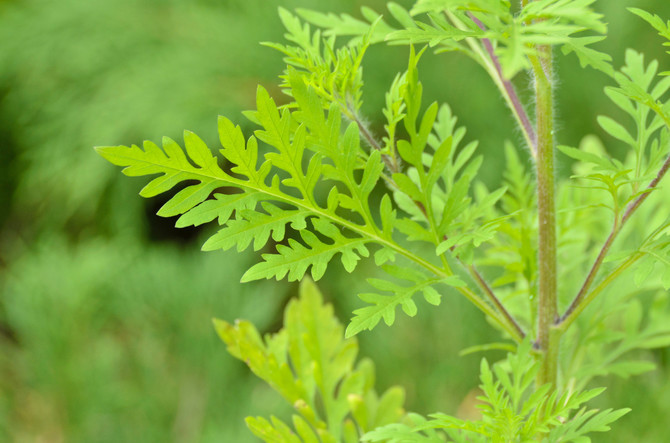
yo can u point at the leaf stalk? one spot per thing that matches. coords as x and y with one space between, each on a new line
496 302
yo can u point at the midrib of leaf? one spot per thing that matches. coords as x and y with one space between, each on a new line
321 251
253 225
316 210
372 232
397 299
287 148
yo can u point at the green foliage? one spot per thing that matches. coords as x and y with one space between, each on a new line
84 362
296 190
314 369
648 143
657 22
334 74
446 24
311 146
314 183
512 410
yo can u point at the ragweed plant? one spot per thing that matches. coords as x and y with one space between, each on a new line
316 184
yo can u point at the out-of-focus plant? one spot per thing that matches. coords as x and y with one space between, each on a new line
81 72
91 349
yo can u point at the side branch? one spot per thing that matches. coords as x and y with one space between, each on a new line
509 91
496 301
498 312
616 229
391 163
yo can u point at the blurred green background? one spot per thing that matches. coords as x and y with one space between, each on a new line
105 308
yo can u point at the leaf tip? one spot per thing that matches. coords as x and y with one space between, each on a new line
221 327
351 331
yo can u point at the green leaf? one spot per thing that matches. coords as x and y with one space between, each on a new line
271 432
616 130
500 8
242 219
589 56
309 363
401 15
346 25
384 306
587 157
220 208
257 226
577 12
243 156
657 22
294 259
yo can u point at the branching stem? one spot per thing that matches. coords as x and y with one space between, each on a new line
498 310
576 305
509 92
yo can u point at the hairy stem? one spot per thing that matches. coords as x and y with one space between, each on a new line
391 163
576 305
509 92
496 301
547 337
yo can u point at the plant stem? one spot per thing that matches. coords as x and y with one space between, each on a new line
547 336
496 301
576 305
509 92
391 163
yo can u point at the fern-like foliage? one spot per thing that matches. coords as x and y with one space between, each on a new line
316 146
314 184
335 74
663 27
625 181
314 369
284 195
448 24
513 410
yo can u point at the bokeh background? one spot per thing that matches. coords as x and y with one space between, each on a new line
105 308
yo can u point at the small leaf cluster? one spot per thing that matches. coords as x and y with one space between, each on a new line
335 74
512 409
314 369
448 24
623 181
